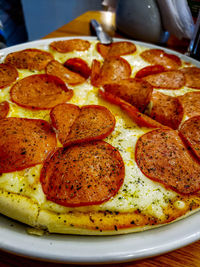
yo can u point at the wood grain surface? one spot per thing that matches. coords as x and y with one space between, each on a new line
187 256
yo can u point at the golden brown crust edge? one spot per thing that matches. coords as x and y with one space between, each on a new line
25 210
18 207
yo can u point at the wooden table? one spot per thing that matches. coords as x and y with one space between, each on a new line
187 256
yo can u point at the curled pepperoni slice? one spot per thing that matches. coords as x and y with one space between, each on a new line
56 68
166 80
66 46
32 59
116 49
4 109
166 110
114 70
63 117
95 72
76 125
80 175
158 56
102 49
24 143
137 92
191 103
40 91
190 131
140 119
79 66
162 156
149 70
8 74
192 77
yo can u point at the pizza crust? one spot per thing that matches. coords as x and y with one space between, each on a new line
25 210
19 208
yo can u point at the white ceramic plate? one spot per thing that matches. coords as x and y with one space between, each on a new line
97 249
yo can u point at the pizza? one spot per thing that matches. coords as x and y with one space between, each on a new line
98 139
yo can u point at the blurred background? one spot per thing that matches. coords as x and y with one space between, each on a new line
27 20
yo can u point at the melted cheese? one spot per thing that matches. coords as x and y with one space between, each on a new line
138 192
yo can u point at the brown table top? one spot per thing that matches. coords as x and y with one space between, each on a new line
187 256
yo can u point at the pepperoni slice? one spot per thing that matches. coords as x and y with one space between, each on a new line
80 175
191 103
32 59
190 131
114 70
56 68
24 143
192 77
162 156
102 49
116 49
158 56
166 80
137 92
63 116
95 72
79 66
76 125
40 91
66 46
149 70
8 74
166 110
4 109
140 119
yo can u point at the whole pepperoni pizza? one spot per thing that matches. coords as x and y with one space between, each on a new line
98 139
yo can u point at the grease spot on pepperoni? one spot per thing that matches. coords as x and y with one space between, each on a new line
191 103
166 80
66 46
24 143
32 59
4 109
154 69
79 66
192 77
116 49
80 175
8 74
137 92
76 125
162 156
158 56
190 131
166 110
40 91
56 68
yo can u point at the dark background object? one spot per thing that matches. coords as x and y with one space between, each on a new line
194 47
12 19
194 7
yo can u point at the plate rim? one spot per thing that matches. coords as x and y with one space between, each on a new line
114 257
